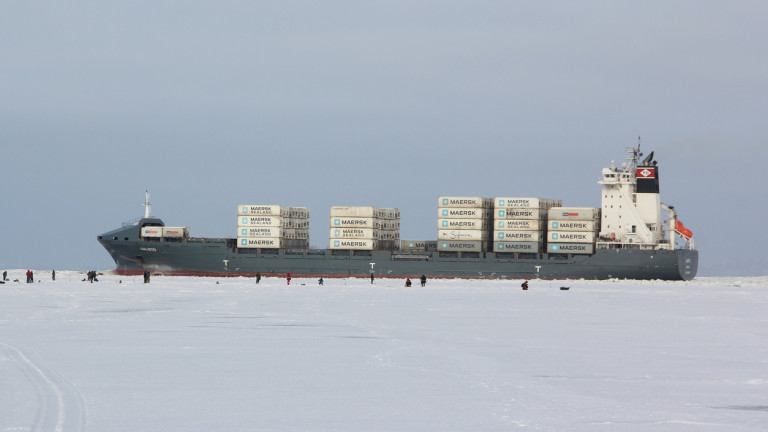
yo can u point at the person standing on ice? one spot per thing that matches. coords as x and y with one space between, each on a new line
29 276
258 277
372 278
53 274
423 280
288 278
320 281
5 275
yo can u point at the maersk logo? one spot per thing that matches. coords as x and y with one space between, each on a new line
336 243
445 201
445 224
501 203
555 225
500 246
337 222
445 212
554 236
501 236
244 242
554 248
244 231
337 232
244 220
245 210
502 213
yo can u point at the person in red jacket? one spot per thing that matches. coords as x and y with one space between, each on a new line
288 278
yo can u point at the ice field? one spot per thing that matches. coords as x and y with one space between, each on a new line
218 354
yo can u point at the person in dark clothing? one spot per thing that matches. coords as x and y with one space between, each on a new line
320 281
372 278
423 280
146 276
53 274
524 285
258 277
5 275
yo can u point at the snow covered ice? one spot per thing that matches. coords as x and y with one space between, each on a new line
192 354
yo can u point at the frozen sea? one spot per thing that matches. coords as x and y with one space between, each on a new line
226 354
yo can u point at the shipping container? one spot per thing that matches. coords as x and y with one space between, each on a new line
360 212
571 248
259 231
520 213
470 224
571 237
389 213
464 202
355 222
462 235
529 203
572 225
261 210
354 233
517 236
462 246
259 242
419 245
574 213
276 221
298 212
518 224
463 213
356 244
152 231
523 247
176 232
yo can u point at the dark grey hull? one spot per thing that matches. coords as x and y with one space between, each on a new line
221 257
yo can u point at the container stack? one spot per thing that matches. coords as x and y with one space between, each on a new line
365 228
519 223
272 226
464 224
164 232
572 230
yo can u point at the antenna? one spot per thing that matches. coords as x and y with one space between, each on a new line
147 206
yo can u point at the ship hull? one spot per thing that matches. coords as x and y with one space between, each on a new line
221 257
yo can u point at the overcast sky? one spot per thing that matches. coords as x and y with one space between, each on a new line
213 104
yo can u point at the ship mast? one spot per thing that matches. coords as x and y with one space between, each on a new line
147 206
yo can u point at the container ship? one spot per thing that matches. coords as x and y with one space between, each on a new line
632 235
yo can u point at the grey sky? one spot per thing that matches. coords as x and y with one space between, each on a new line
214 104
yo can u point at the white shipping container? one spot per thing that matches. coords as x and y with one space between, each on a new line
462 246
517 236
259 231
298 212
356 244
527 247
355 222
464 202
277 221
572 225
572 248
152 231
574 213
261 210
520 213
518 224
389 213
469 224
421 245
387 224
259 242
354 233
361 212
463 213
572 237
471 235
531 203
